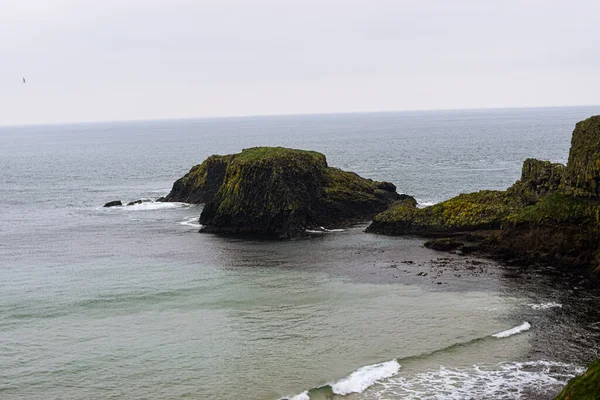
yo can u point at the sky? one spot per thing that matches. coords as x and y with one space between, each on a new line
153 59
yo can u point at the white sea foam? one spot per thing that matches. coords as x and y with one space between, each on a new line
422 204
301 396
525 326
512 380
147 206
191 221
323 230
364 377
545 306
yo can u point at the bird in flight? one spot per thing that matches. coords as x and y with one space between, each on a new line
24 80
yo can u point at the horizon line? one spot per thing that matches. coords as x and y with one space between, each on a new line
244 116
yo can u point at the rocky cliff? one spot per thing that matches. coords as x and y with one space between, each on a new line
280 192
550 215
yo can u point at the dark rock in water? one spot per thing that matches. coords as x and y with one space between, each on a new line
161 199
113 203
584 387
131 203
445 244
551 215
279 192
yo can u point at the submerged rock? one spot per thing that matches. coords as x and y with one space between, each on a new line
446 244
280 192
113 203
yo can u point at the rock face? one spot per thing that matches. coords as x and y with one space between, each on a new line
279 192
551 215
201 183
584 387
582 177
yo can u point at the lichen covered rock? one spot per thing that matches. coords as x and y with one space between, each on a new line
280 192
467 212
538 178
582 177
201 183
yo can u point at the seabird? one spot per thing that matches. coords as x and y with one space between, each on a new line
24 80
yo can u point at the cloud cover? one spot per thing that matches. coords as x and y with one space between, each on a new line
146 59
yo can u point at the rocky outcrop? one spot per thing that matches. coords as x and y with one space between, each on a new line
467 212
551 215
201 183
113 203
538 178
582 177
279 192
584 387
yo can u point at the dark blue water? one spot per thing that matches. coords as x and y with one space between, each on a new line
132 302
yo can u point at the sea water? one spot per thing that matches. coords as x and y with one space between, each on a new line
133 302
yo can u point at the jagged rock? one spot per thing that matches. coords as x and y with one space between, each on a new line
538 178
280 192
202 182
131 203
113 203
582 177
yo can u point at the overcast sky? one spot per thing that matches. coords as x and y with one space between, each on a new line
150 59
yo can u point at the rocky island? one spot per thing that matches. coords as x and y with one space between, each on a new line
280 192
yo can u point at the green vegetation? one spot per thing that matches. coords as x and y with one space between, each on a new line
481 210
557 208
584 387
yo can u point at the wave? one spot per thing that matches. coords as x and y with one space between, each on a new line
545 306
364 377
192 221
323 230
356 382
525 326
148 206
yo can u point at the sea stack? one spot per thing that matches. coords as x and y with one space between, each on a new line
279 192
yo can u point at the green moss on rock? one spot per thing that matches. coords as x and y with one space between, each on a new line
584 387
538 178
582 177
279 191
202 182
481 210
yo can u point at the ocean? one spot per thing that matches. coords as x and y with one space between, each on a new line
133 303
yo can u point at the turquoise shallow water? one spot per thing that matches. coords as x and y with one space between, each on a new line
133 303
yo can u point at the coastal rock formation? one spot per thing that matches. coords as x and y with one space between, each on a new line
551 215
113 203
279 192
582 177
586 386
201 183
